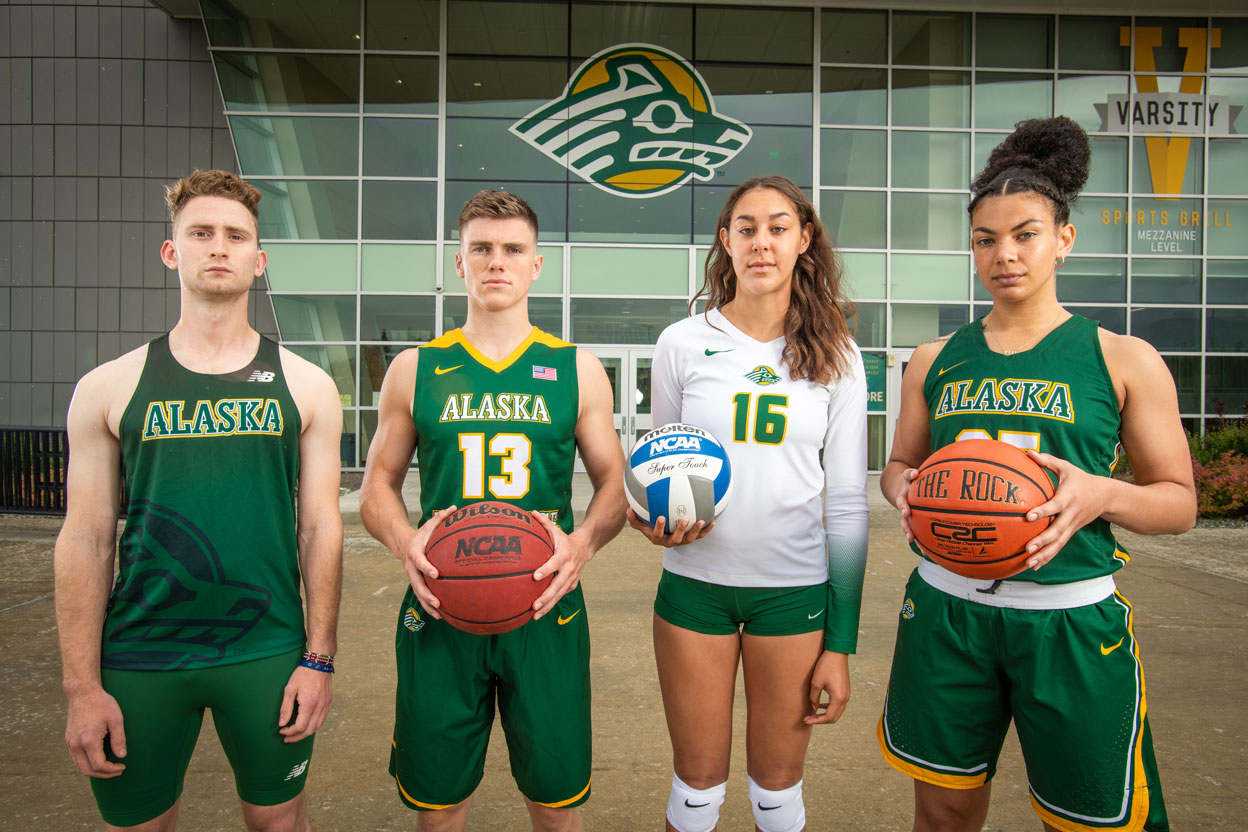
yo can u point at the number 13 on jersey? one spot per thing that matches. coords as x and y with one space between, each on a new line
515 449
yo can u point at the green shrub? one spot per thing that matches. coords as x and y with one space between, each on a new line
1224 436
1222 486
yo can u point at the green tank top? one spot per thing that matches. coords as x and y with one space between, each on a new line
1056 397
209 572
497 430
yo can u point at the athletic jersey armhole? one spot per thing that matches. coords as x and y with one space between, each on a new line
163 341
1104 365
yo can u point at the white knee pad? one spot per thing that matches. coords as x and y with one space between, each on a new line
694 810
780 811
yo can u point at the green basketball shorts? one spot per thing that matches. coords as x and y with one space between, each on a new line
1069 678
724 610
163 712
449 682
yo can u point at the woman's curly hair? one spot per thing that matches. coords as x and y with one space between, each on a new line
1047 156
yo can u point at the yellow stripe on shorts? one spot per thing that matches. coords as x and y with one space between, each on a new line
949 781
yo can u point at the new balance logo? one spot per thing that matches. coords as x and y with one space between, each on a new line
297 770
263 376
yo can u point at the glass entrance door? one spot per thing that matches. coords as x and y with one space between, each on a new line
897 360
628 370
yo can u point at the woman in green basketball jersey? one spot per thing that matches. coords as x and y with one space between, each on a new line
1052 648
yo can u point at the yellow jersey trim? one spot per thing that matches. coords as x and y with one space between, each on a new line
949 781
536 336
569 801
413 800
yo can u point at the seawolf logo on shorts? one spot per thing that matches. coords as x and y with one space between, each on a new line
907 609
412 620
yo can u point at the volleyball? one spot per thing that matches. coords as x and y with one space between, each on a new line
677 471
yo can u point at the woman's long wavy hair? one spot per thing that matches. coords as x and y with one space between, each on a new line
816 334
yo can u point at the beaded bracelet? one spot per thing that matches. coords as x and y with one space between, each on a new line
323 662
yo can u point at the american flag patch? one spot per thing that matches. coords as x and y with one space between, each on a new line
547 373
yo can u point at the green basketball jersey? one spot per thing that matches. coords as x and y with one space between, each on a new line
1057 398
497 430
209 572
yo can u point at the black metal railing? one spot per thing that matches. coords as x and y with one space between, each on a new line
32 470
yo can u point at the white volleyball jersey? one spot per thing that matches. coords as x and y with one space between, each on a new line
798 452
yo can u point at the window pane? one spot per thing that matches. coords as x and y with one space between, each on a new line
1079 95
599 217
854 219
852 157
511 87
923 98
309 24
400 147
1004 98
338 361
864 274
915 323
1186 177
596 26
1109 165
409 25
550 201
787 151
396 317
1014 40
400 85
315 317
1092 43
776 36
623 320
1220 230
708 201
984 144
375 360
309 267
368 429
400 210
549 282
1167 329
296 146
1228 166
1226 384
1170 55
1227 330
854 37
632 271
931 276
931 160
853 96
1113 318
930 221
1102 224
1233 53
1092 280
507 27
877 454
307 210
390 267
1165 281
867 324
544 313
939 39
1164 226
286 82
761 94
347 444
1226 281
482 148
1186 372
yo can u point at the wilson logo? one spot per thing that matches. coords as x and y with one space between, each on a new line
635 120
495 544
667 444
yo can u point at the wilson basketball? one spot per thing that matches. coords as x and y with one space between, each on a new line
969 504
485 555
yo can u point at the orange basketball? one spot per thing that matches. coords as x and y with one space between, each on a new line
969 504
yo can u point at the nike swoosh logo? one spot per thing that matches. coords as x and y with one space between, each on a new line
947 369
768 808
816 615
717 352
563 620
696 805
444 370
1105 651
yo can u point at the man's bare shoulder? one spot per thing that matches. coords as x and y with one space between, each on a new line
106 390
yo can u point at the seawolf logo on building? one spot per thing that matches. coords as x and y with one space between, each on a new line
635 120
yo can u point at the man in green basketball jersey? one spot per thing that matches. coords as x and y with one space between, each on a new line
495 411
213 427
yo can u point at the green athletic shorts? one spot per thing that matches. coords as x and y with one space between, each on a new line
724 610
163 712
1069 678
448 683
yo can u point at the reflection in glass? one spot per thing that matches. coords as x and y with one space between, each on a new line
397 318
1170 55
507 27
1079 95
400 210
772 35
708 201
853 96
1165 281
544 313
935 98
1219 222
1113 318
549 200
1227 330
1186 372
780 150
395 267
877 455
400 147
984 144
642 393
614 367
1109 165
630 271
347 444
311 267
315 317
867 324
1014 41
1226 384
1233 53
483 148
598 217
1092 43
915 323
406 84
309 24
931 160
1102 223
864 274
1228 166
853 157
932 39
286 82
761 94
1005 98
1226 281
854 219
854 37
407 25
1092 280
503 87
338 361
623 320
1167 329
274 146
368 429
1164 226
306 209
375 360
1182 178
930 276
930 221
596 26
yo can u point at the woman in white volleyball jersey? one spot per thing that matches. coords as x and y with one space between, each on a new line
776 583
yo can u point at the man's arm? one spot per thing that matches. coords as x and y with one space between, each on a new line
600 449
83 563
319 540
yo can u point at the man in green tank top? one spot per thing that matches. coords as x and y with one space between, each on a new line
215 429
494 411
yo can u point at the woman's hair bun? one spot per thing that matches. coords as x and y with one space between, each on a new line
1050 156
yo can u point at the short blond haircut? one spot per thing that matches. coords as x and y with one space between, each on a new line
496 205
212 183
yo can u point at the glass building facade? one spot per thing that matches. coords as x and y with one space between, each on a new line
367 124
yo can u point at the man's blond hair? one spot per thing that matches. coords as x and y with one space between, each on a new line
212 183
496 205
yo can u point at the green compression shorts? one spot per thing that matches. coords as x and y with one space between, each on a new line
449 682
1071 681
724 610
163 712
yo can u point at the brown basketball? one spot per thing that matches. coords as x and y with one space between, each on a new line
969 507
485 555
